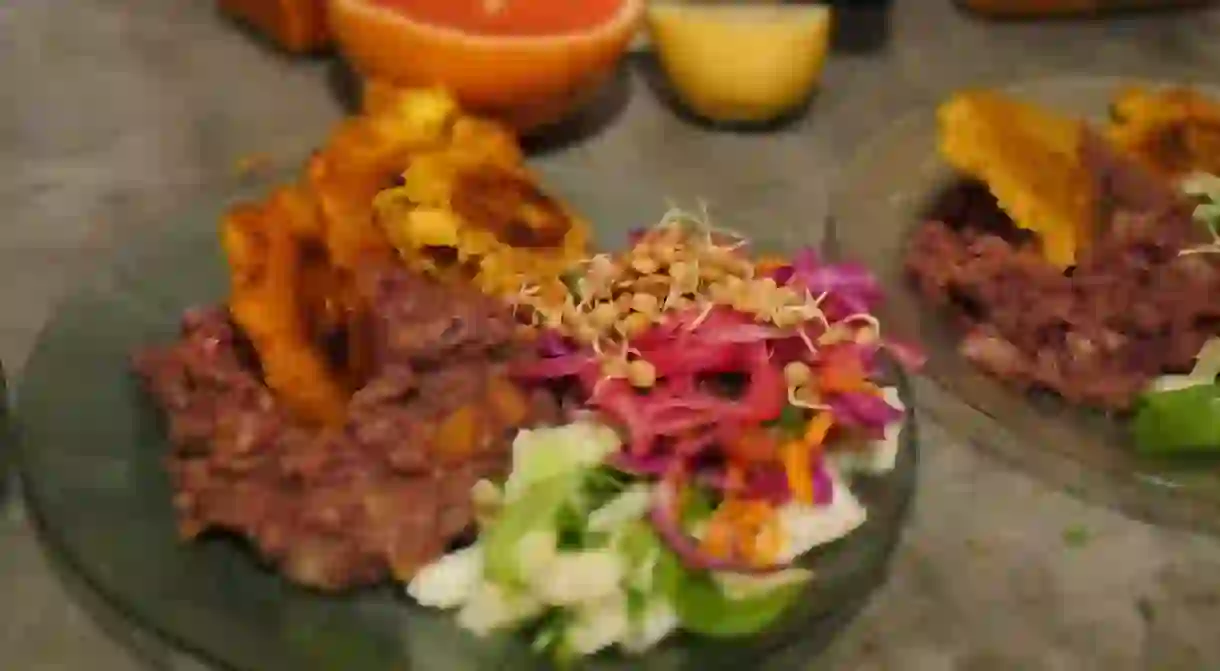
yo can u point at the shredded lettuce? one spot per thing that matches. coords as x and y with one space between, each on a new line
630 505
542 454
572 559
1182 421
535 509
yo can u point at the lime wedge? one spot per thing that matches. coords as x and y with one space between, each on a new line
741 62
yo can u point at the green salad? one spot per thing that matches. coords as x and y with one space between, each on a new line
567 554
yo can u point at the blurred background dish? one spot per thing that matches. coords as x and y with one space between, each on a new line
528 64
882 197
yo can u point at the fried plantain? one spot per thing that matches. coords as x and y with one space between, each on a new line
1173 131
510 206
364 155
455 199
266 265
1029 158
471 210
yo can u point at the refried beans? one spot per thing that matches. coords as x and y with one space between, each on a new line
382 494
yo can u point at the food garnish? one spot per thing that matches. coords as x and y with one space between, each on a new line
727 401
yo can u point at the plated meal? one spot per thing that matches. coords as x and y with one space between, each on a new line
1083 258
422 374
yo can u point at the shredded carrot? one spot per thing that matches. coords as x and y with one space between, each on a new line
753 513
817 428
733 521
770 542
798 457
747 529
797 467
718 538
752 445
749 520
842 377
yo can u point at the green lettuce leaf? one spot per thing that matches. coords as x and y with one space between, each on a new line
1182 421
704 608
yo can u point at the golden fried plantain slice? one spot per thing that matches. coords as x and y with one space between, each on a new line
467 208
1029 158
366 154
266 265
464 213
296 206
483 140
1173 131
509 205
345 198
418 115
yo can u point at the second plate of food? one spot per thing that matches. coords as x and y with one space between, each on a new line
1052 244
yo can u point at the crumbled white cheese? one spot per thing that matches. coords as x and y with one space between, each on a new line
650 627
450 581
571 578
493 607
598 624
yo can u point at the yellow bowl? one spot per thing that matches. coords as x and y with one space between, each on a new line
741 63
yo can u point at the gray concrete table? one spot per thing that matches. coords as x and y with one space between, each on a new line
118 112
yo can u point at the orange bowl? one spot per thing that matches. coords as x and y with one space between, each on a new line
529 70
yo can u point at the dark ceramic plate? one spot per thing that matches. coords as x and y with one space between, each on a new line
90 455
879 200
